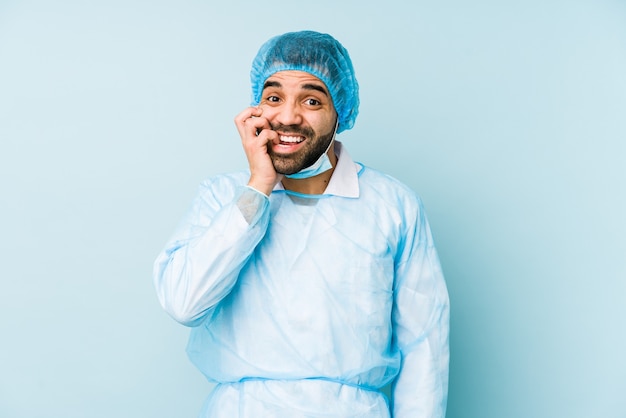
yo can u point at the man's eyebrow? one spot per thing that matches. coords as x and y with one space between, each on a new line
271 84
316 87
308 86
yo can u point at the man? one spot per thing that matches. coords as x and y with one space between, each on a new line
310 281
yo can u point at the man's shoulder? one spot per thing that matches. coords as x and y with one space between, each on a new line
371 178
223 187
389 195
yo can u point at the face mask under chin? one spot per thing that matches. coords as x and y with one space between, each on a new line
320 166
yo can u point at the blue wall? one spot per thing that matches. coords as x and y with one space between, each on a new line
508 119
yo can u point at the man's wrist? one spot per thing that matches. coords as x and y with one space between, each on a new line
260 187
249 186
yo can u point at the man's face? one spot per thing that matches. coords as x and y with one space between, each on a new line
299 108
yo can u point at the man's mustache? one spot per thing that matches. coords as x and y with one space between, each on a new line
294 129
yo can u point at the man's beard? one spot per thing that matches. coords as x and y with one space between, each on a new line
313 149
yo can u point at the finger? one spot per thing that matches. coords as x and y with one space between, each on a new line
249 122
267 135
247 113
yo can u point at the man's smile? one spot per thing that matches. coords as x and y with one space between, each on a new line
290 139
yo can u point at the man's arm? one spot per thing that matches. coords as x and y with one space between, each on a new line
202 261
421 326
200 264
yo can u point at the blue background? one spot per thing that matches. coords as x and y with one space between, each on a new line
508 118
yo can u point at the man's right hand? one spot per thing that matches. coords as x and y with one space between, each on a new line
256 132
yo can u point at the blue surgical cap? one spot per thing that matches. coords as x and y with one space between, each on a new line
318 54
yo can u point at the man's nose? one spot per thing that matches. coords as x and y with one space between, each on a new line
289 114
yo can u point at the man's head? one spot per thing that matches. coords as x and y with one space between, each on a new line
299 109
317 54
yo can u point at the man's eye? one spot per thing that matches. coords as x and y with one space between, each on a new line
313 102
272 99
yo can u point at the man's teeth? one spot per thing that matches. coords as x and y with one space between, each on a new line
291 139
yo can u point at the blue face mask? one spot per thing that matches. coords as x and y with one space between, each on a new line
320 166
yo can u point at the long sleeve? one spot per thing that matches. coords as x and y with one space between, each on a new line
421 326
200 264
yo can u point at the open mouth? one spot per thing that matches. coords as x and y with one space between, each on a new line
290 140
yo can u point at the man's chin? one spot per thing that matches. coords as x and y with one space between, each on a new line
284 166
286 172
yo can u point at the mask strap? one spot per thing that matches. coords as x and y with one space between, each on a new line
334 135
